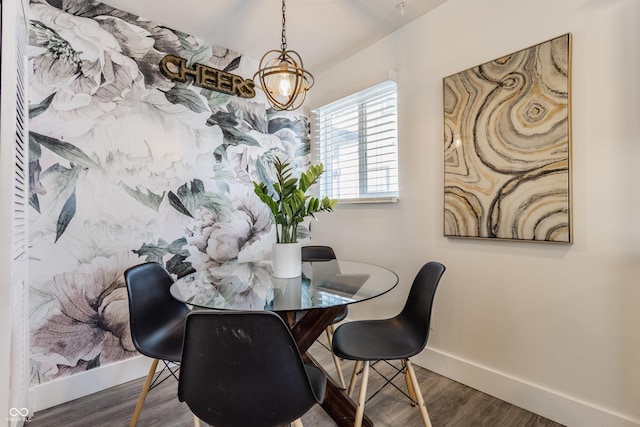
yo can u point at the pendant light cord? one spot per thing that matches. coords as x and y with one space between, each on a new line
283 46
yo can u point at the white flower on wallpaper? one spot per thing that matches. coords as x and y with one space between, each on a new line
83 65
128 167
213 241
245 285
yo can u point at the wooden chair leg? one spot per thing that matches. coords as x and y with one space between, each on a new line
407 379
196 421
418 394
354 376
143 393
336 359
363 395
298 423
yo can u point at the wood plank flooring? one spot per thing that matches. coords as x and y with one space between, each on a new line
450 404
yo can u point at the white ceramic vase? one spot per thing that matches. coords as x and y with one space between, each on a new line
287 292
286 260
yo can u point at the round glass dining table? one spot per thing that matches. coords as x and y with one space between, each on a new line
251 286
308 304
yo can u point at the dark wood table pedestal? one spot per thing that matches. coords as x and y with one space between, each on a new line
340 407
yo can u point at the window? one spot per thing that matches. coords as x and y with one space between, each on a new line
357 142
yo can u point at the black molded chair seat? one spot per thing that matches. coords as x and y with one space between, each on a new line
341 316
311 253
242 369
389 339
396 338
166 345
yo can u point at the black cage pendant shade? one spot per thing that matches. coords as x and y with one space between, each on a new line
281 75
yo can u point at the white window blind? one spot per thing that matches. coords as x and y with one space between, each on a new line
357 142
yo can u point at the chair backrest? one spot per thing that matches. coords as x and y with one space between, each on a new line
243 369
317 253
419 304
155 317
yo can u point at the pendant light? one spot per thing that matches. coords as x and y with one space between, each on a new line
281 75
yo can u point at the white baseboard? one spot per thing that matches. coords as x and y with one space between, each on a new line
550 404
65 389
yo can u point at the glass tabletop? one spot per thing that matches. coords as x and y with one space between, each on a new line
250 286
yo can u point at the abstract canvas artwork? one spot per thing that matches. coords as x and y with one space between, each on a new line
507 147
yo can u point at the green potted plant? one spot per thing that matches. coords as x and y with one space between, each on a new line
290 205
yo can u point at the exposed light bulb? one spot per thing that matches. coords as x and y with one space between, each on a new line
284 84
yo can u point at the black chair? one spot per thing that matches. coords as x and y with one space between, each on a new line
325 253
242 369
317 253
397 338
157 321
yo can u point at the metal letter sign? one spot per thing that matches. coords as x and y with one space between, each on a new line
175 69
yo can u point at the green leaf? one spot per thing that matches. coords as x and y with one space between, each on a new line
276 188
152 252
288 212
193 50
65 150
94 363
290 186
193 196
185 96
176 247
177 204
67 214
223 119
305 182
215 99
35 150
59 200
34 202
157 251
313 205
177 265
235 137
36 110
149 199
233 64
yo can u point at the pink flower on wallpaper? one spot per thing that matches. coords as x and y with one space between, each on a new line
86 324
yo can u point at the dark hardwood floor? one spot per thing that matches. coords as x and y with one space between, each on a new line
450 404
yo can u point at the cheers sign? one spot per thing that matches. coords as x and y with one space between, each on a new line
175 69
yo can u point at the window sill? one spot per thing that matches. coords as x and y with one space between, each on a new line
386 199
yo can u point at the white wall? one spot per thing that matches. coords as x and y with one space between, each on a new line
552 328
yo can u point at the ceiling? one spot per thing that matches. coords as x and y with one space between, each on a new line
323 32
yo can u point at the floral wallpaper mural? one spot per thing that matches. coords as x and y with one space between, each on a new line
128 167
